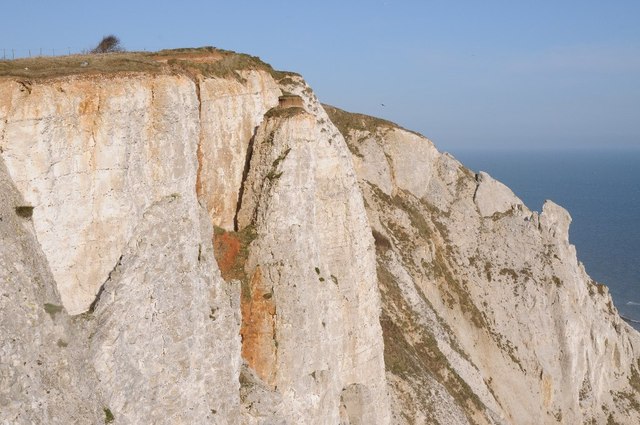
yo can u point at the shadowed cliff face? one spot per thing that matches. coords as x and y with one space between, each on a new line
41 366
228 260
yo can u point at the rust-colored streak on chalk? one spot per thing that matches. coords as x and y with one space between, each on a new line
258 328
226 247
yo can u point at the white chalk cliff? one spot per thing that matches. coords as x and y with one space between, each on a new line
180 248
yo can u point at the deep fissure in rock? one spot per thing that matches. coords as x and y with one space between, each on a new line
245 174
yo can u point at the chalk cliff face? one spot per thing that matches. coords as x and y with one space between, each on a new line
485 308
91 156
177 248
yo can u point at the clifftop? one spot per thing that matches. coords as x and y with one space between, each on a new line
204 61
347 122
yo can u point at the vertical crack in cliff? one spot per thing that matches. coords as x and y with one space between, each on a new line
475 192
245 174
199 191
96 300
392 170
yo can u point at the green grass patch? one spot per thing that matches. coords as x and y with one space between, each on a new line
283 113
53 309
24 211
108 415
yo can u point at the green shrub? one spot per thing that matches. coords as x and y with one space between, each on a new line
108 416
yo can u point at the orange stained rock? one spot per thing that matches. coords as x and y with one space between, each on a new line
258 328
226 247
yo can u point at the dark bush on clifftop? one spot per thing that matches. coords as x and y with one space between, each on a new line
109 43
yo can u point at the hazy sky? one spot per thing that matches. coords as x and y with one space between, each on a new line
467 74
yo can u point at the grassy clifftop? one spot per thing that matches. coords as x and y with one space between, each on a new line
206 61
350 121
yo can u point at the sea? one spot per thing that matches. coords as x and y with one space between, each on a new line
601 191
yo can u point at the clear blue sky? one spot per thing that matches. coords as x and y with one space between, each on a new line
468 74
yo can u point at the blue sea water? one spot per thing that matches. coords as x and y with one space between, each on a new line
601 191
